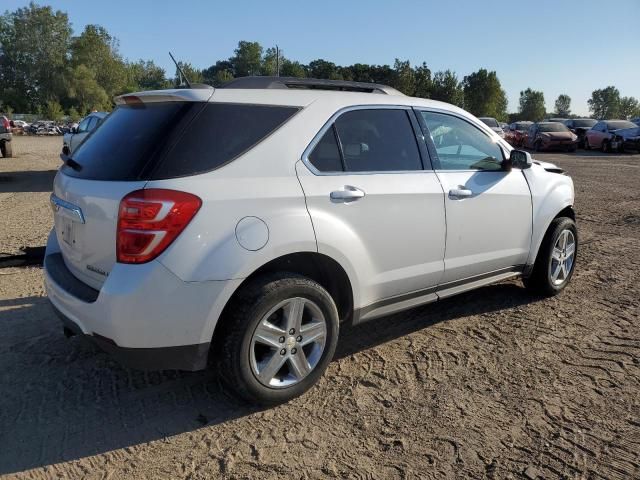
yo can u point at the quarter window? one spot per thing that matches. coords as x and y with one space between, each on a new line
460 145
326 154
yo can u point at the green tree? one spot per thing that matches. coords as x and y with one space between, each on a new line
563 105
445 87
219 73
323 69
85 91
292 69
423 81
270 62
532 105
629 107
74 115
604 103
484 96
53 111
145 75
34 43
247 59
405 77
98 50
193 74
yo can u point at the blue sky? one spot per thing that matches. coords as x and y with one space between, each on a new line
557 46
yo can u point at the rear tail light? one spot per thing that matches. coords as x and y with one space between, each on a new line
149 220
6 123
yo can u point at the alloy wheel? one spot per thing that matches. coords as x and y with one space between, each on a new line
562 257
288 343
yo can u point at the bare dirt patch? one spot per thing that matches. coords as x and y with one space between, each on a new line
492 384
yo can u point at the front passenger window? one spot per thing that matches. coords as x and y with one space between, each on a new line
460 145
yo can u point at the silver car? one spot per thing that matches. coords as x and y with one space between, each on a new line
76 135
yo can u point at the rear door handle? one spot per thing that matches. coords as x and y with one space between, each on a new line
348 194
460 192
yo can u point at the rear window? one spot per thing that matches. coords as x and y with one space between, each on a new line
620 124
173 139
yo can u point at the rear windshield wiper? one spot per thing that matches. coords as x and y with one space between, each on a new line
70 162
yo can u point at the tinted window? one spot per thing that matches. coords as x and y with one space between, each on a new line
378 140
584 123
222 132
460 145
170 139
84 125
552 127
620 124
326 154
93 122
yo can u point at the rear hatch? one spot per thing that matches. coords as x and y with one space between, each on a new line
149 136
117 158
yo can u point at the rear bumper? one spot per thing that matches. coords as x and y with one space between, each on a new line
143 314
183 357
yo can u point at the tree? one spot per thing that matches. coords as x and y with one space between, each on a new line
247 59
292 69
193 74
85 91
34 43
629 107
145 76
53 111
484 96
446 88
532 105
98 50
74 115
404 78
423 81
324 69
605 103
563 105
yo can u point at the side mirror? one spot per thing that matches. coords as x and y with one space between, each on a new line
520 159
74 130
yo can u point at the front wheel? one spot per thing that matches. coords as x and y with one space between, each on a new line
279 337
606 148
6 149
586 144
556 258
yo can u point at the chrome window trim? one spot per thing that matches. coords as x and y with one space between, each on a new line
329 123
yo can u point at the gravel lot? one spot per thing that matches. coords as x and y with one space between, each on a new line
493 384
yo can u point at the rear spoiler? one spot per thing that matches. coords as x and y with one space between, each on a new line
172 95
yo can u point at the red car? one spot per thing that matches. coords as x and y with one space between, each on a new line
602 133
516 134
550 136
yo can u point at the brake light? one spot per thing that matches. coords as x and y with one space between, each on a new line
150 220
6 123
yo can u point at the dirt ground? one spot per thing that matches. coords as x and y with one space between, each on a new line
495 383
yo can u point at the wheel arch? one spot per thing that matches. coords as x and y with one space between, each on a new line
319 267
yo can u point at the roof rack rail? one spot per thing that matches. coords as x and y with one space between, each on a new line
308 83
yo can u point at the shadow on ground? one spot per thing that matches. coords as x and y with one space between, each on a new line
27 181
62 399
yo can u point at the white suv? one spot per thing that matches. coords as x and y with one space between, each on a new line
245 224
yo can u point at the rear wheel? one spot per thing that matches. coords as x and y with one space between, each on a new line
556 258
606 148
586 143
279 337
6 149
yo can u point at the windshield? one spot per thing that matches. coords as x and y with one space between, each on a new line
552 127
491 122
587 122
621 124
521 127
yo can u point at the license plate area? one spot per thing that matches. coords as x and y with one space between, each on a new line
68 231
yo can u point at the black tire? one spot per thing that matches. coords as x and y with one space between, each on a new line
586 143
572 148
606 148
540 280
6 149
537 146
246 311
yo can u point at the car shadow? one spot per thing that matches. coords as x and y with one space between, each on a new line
27 181
62 400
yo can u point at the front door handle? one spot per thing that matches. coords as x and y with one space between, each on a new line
348 194
460 192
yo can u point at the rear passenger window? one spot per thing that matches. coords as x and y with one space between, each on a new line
377 141
326 154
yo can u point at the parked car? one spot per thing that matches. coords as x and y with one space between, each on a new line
602 133
282 211
493 124
517 133
626 139
550 136
76 135
636 121
580 126
6 148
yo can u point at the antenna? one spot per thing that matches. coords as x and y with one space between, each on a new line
277 61
181 72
